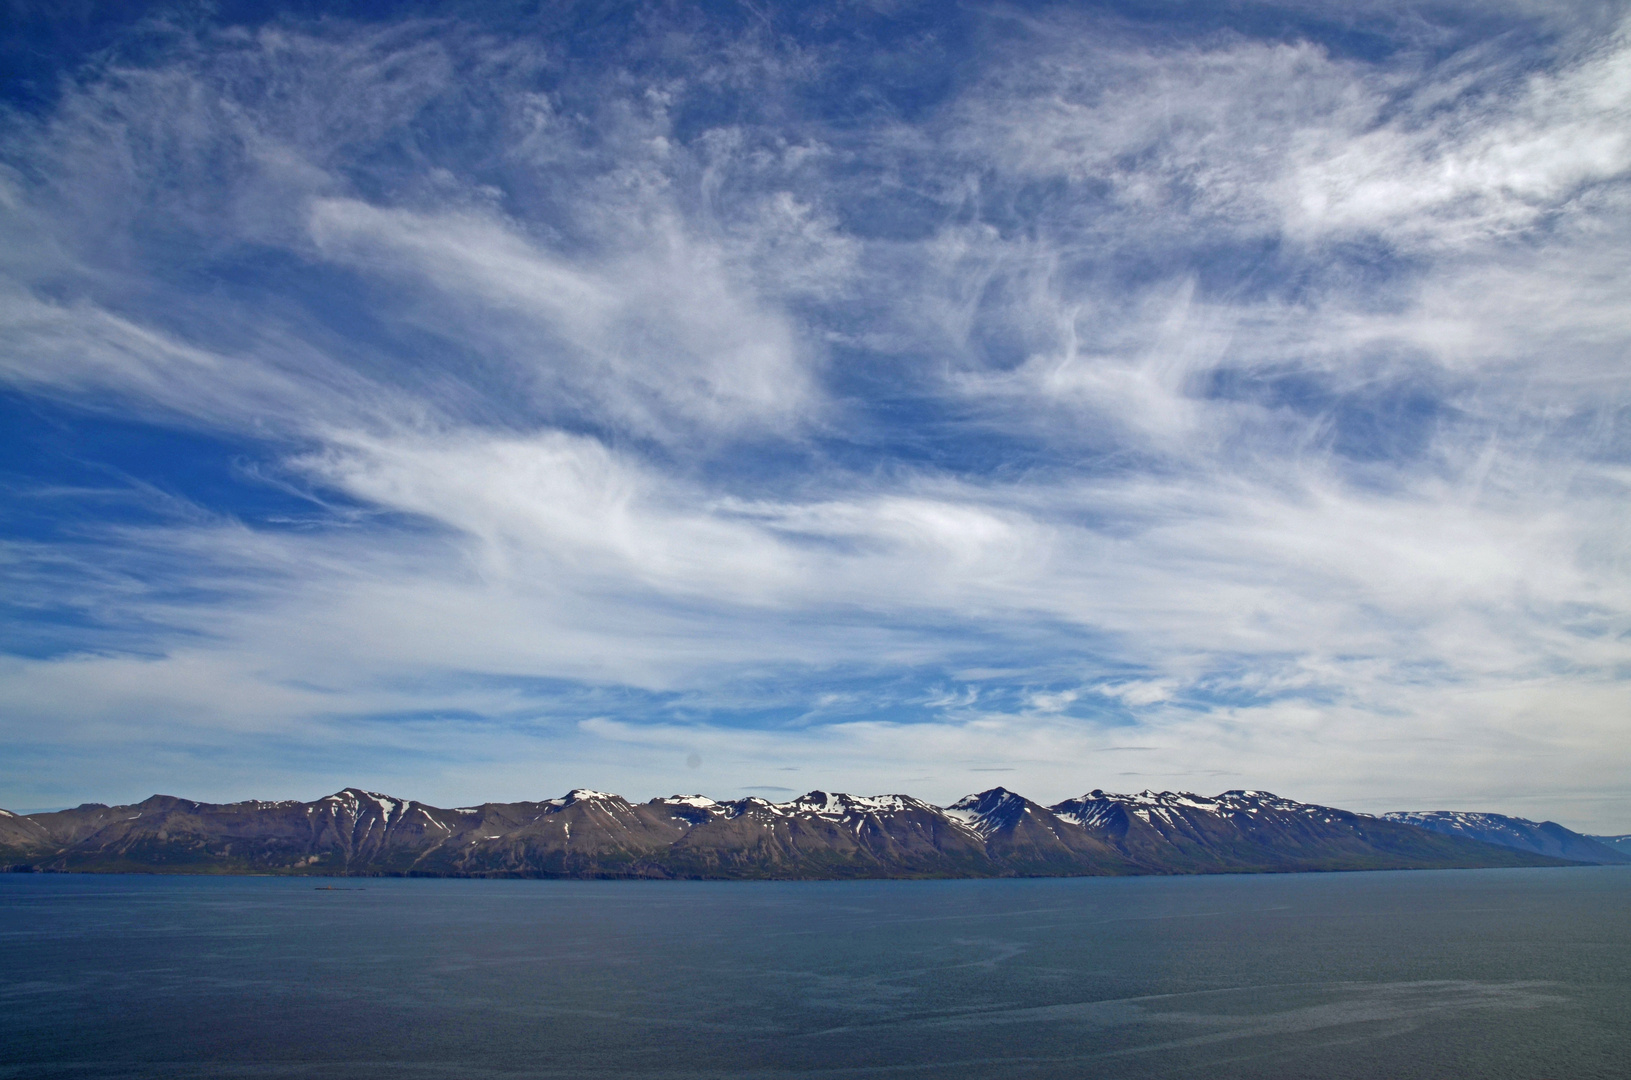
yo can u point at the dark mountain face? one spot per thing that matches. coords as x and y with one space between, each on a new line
1027 838
825 835
995 833
1621 843
1519 834
1179 832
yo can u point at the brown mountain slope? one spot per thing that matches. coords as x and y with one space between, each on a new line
996 833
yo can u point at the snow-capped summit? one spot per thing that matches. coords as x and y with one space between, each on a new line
988 811
838 804
579 794
357 802
589 833
1520 834
1102 809
700 802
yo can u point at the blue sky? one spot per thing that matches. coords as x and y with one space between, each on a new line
468 402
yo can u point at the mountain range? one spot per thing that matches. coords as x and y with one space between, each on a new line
1520 834
584 834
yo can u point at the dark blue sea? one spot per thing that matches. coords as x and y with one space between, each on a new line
1520 974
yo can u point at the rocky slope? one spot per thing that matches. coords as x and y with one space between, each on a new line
1519 834
1254 830
995 833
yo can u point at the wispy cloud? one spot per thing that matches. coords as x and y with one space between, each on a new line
1254 408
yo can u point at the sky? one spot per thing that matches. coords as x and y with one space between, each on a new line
472 401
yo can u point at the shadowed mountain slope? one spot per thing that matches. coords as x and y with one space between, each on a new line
1519 834
1620 843
995 833
1252 831
1026 838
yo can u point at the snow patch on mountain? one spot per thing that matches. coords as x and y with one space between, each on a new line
577 795
988 811
700 802
841 805
1520 834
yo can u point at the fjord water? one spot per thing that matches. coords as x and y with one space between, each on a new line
1487 973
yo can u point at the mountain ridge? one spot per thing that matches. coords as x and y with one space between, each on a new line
1620 842
818 835
1519 834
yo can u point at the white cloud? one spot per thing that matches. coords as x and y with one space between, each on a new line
654 336
628 404
1478 165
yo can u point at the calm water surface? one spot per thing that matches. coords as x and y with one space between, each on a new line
1491 973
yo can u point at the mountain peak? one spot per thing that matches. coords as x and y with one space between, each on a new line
579 794
701 802
1521 834
840 804
992 832
988 797
987 811
357 801
166 800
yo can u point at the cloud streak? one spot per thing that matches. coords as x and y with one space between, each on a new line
1256 402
